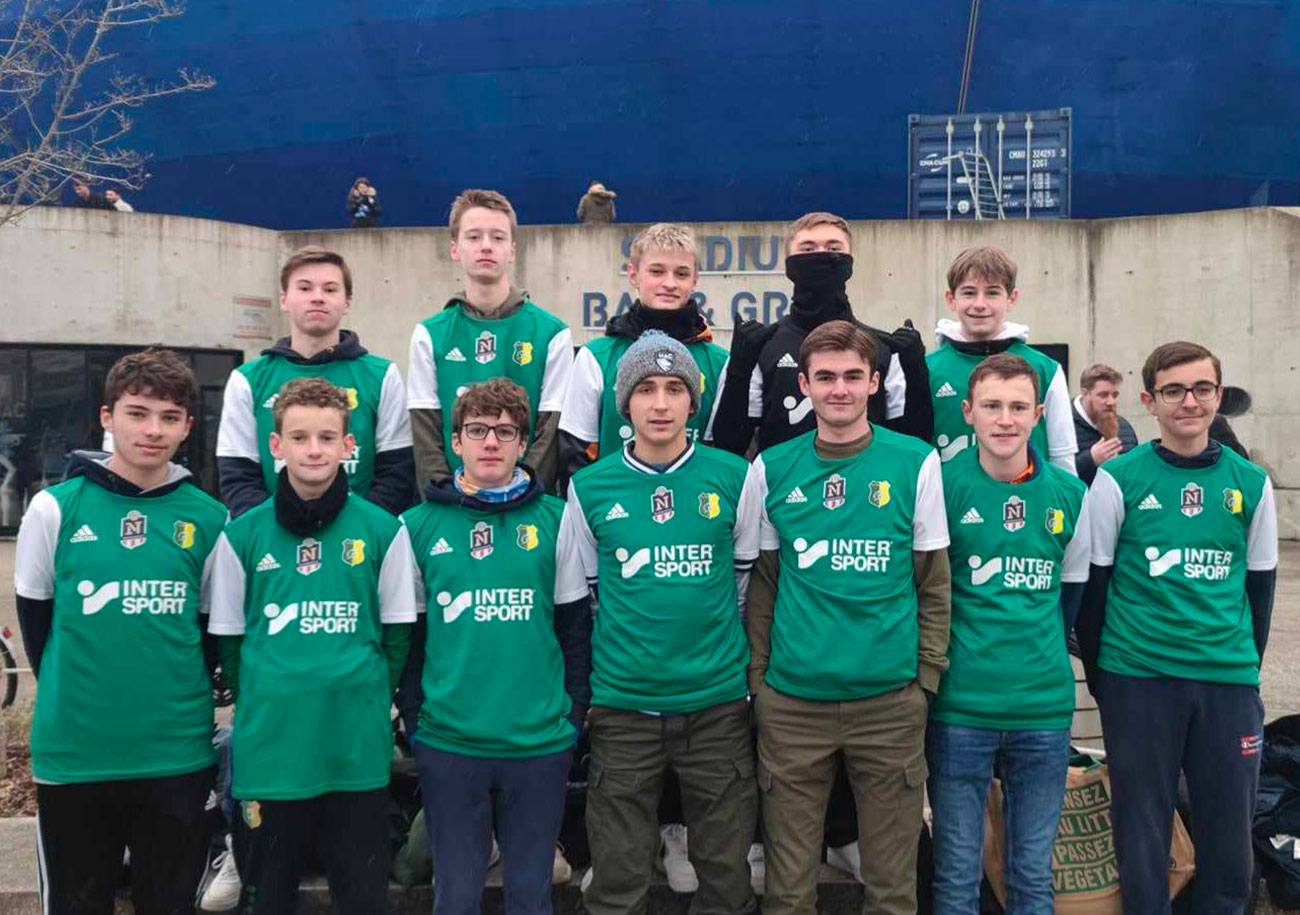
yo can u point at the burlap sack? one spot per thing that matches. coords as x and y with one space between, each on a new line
1084 873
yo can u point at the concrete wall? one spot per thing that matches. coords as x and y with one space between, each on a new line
1109 289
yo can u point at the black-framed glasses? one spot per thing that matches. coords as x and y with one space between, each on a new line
1203 391
479 431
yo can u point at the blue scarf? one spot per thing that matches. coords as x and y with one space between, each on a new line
512 490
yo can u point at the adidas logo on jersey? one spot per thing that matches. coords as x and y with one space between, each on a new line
267 563
441 548
1150 503
84 535
615 513
455 355
787 361
945 390
972 517
796 496
269 403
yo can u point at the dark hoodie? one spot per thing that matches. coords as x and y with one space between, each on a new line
35 617
684 324
572 620
241 482
819 296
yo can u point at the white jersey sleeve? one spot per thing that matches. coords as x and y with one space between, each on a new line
575 532
717 399
570 574
226 591
580 415
38 538
930 518
895 388
745 534
768 538
559 368
205 581
421 376
397 596
393 424
237 433
1078 552
755 394
1261 538
1104 504
1058 415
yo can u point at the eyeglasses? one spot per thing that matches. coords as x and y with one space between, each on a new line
479 431
1203 391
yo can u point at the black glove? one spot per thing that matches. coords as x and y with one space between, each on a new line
907 343
747 342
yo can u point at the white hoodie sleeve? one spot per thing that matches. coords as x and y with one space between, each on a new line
1058 414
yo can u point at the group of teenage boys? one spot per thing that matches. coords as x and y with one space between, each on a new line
887 586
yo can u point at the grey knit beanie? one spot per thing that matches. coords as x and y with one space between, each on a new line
655 353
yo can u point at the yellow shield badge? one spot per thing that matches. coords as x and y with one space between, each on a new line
354 552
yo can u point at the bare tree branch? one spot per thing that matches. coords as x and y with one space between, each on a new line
53 130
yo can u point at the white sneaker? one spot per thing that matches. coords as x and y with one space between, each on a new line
222 894
757 869
846 858
677 865
561 870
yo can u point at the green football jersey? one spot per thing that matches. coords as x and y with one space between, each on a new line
313 709
453 350
124 690
493 670
1013 544
1181 540
845 622
950 368
665 549
590 413
375 393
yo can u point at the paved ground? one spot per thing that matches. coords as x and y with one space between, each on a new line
1281 682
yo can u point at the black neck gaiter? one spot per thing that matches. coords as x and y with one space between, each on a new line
819 278
307 516
679 323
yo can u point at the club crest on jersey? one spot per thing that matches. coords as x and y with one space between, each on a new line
878 493
480 540
1193 500
526 536
309 553
183 534
834 491
352 397
661 505
135 530
1232 501
710 505
1013 514
523 353
1055 521
354 552
485 347
665 360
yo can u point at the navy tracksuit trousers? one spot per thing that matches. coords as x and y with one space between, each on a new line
1213 732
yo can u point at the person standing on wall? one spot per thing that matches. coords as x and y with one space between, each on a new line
316 294
489 329
1172 632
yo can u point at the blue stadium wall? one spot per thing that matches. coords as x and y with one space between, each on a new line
721 110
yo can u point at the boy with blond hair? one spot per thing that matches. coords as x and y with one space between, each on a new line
981 291
489 329
664 271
